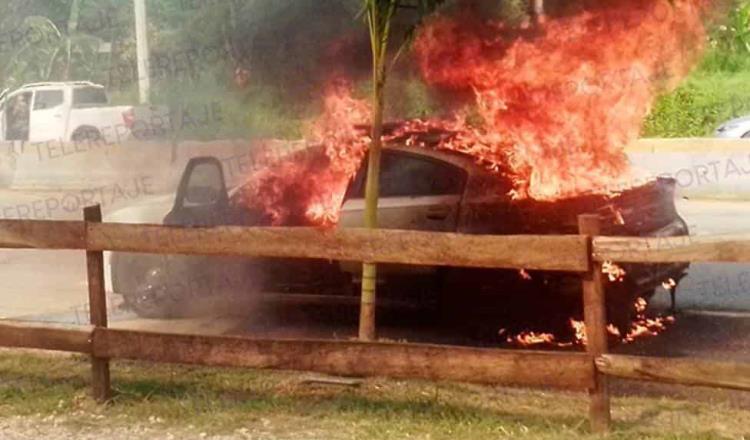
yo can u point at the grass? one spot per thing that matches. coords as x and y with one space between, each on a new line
222 401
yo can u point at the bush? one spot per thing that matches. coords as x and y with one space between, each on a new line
700 105
718 89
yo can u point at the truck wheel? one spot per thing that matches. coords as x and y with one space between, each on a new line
86 133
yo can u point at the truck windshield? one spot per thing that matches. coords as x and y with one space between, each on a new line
89 97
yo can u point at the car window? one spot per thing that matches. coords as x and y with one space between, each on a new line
404 175
47 99
205 185
89 97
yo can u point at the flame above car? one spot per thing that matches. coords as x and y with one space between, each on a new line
551 107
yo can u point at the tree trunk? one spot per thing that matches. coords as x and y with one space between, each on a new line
367 330
379 42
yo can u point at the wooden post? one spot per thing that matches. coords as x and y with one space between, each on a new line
595 318
97 309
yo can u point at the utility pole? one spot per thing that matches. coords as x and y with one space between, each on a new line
141 39
72 27
537 6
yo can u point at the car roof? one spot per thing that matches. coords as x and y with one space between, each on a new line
466 162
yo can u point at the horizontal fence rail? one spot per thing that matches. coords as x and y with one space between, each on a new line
562 253
42 234
679 249
45 336
730 375
349 358
541 252
395 360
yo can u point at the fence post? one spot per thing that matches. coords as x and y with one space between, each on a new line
97 308
595 319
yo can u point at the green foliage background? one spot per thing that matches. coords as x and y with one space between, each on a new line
717 90
285 44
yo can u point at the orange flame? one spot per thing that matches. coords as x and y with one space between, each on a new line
526 339
524 275
669 284
308 188
580 331
613 271
641 326
558 106
619 219
553 106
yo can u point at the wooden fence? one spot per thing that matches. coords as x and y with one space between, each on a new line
581 254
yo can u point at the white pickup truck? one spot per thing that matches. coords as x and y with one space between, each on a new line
74 111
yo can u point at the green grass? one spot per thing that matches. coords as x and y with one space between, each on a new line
221 401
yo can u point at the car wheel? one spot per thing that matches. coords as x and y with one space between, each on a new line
141 281
86 133
746 135
153 298
147 305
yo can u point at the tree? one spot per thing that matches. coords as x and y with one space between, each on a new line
45 42
379 15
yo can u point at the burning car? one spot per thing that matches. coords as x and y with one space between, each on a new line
530 133
422 188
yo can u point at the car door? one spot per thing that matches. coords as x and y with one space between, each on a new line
17 110
47 120
417 192
170 285
201 198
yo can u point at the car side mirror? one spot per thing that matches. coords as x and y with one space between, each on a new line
202 184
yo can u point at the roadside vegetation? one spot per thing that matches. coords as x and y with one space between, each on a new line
717 90
264 62
186 402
